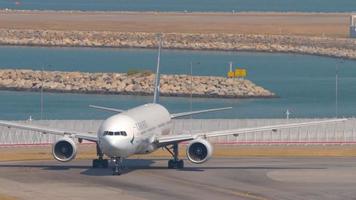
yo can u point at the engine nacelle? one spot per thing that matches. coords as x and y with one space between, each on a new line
64 150
199 151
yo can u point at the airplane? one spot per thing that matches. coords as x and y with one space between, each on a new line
142 130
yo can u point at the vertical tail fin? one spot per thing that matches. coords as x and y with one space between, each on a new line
157 81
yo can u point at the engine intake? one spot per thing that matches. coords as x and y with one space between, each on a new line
64 150
199 151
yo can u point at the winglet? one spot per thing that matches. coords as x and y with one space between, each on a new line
157 81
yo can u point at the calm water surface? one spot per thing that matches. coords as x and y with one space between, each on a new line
305 84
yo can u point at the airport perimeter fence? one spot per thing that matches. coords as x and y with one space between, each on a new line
333 134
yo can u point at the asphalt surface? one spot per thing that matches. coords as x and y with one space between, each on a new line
219 178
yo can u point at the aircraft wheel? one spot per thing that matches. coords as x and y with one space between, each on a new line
180 164
116 171
105 163
170 164
95 163
100 163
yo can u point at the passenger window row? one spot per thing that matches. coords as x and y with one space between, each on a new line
123 133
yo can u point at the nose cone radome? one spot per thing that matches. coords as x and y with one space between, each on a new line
116 147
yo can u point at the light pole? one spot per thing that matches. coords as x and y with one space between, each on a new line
42 77
337 88
191 85
41 91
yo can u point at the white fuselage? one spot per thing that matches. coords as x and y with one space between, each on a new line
134 131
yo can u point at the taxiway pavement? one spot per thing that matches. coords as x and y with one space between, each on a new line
219 178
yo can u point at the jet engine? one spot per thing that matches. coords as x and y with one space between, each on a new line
199 151
64 150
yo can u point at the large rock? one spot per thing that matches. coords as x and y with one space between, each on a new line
115 83
336 47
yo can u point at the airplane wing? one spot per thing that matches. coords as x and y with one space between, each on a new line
176 115
45 130
171 139
107 108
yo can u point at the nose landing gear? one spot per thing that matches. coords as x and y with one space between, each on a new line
116 162
117 168
174 163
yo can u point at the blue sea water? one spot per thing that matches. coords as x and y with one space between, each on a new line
184 5
305 84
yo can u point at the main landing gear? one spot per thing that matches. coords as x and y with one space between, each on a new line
100 162
174 163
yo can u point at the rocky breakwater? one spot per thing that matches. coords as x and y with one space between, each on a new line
134 84
335 47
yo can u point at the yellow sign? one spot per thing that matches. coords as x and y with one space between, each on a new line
231 74
240 73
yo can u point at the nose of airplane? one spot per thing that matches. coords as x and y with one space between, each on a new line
116 146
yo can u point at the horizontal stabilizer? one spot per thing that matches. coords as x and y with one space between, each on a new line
176 115
107 108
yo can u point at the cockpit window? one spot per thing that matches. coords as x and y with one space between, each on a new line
108 133
123 133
